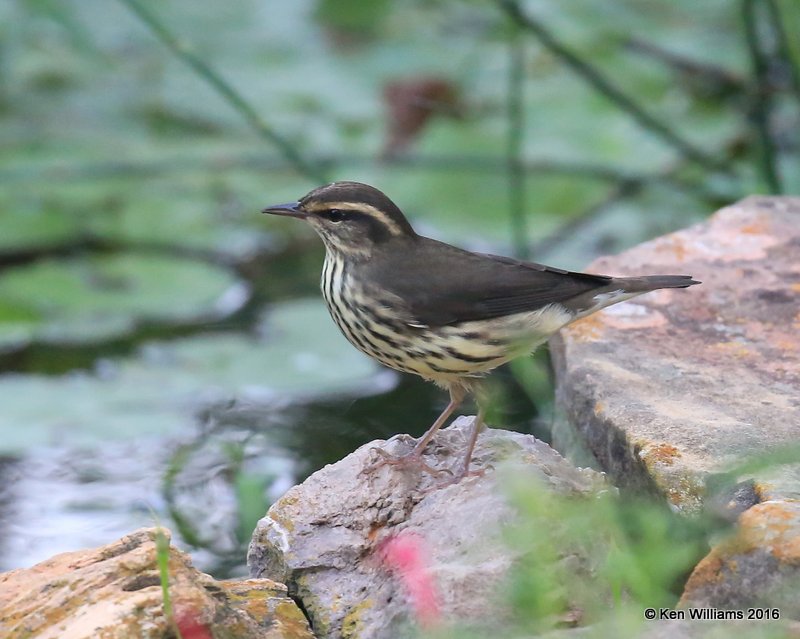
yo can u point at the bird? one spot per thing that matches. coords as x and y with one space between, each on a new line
449 315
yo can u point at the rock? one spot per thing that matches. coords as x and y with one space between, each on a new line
696 394
368 553
759 566
672 388
115 591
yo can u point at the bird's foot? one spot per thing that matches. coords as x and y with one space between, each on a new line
409 461
452 480
458 476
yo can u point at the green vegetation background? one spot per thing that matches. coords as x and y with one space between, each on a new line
139 140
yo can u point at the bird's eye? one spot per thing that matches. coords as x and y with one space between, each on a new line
336 215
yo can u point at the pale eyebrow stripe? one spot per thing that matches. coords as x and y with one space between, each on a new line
367 209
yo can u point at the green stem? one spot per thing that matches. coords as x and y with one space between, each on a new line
783 46
162 560
516 133
184 51
597 79
762 100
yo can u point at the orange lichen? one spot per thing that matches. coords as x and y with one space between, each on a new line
788 551
674 245
588 329
709 570
762 490
776 526
773 513
661 453
786 344
755 228
736 349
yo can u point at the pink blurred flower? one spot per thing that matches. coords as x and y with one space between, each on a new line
190 626
405 556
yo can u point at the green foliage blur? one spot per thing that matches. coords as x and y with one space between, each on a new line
596 563
108 135
137 133
140 134
602 559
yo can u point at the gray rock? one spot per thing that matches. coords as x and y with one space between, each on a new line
696 394
325 538
674 387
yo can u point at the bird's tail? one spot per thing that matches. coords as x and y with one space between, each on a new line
652 282
619 289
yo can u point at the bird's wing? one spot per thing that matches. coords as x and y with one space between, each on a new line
438 284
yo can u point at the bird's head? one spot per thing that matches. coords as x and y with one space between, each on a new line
350 217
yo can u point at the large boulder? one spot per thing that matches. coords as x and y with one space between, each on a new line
359 548
677 386
695 394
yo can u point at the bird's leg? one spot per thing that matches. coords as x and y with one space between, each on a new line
457 395
477 426
414 458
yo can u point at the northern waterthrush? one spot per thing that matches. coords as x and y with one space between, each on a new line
421 306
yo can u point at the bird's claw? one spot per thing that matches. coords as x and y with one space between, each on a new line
412 461
462 474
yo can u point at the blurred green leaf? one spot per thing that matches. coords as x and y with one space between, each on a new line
250 490
91 299
301 354
352 15
30 225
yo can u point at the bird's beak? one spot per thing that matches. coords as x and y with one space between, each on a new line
291 209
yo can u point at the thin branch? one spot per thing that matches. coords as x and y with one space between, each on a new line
597 79
516 131
762 100
576 224
783 47
182 50
720 78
